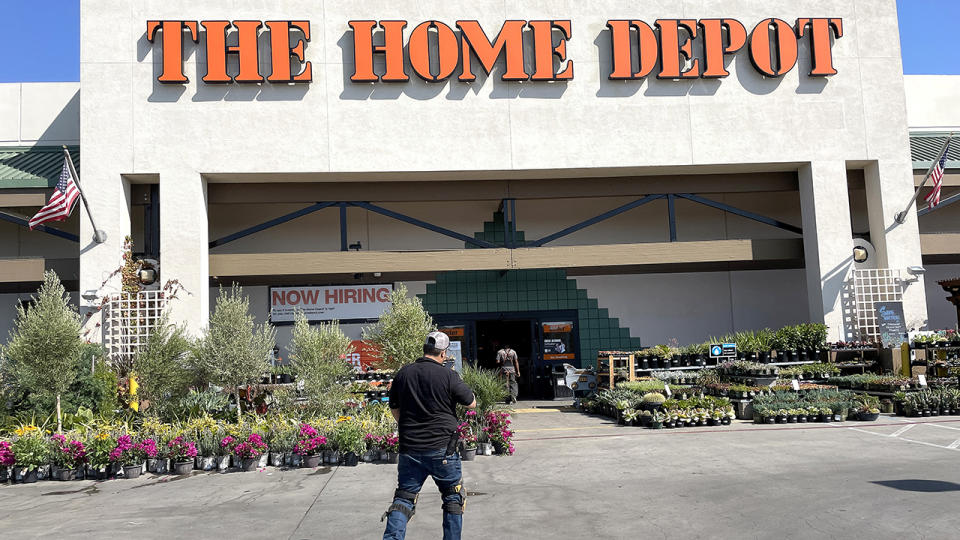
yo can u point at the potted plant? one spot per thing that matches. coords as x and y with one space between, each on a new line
208 444
498 429
98 449
656 419
631 416
310 446
181 453
30 451
131 455
283 438
225 451
69 457
468 441
249 452
391 443
826 414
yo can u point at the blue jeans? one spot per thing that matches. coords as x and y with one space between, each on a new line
412 471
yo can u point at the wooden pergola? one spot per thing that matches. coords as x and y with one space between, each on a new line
952 286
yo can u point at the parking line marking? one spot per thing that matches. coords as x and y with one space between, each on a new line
561 429
954 444
905 439
902 430
938 424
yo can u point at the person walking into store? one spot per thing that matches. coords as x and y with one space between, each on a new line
510 367
423 399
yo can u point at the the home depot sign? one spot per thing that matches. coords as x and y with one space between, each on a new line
531 50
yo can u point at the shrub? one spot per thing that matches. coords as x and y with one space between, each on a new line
234 350
45 343
399 334
319 355
488 387
161 366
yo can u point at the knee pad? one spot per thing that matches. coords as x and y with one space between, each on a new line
455 507
395 506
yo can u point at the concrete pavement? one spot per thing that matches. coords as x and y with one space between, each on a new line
573 476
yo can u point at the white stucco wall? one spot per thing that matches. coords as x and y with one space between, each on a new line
932 102
39 113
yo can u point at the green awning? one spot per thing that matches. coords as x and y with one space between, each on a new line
924 148
34 166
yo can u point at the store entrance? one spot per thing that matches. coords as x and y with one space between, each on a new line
493 335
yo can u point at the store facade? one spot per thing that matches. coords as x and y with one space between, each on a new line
582 177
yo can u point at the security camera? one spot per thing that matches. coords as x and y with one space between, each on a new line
90 294
917 270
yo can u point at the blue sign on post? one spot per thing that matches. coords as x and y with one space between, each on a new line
723 350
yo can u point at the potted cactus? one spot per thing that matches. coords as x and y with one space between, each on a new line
652 401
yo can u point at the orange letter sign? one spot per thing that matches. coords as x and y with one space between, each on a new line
785 47
172 47
544 50
821 46
621 41
246 49
715 49
448 51
282 52
392 49
510 39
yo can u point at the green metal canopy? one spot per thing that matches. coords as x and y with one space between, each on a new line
924 148
34 166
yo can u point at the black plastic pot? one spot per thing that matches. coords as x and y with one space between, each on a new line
351 459
868 417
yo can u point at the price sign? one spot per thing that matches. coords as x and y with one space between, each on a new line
667 388
796 385
922 379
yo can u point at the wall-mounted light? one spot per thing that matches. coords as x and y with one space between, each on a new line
147 276
860 254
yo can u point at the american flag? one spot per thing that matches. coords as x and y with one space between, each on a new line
933 199
61 202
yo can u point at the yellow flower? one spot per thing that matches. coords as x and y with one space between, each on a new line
18 432
103 436
344 419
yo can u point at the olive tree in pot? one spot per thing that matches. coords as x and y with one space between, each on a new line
397 337
233 351
45 342
319 356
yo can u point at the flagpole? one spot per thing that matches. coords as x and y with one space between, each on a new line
99 236
901 217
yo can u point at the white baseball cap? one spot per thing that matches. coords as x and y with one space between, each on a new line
437 340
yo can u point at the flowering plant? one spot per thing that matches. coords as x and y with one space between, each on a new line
466 435
7 459
180 450
30 450
226 445
498 429
120 453
374 441
148 447
311 442
391 443
253 447
68 455
98 449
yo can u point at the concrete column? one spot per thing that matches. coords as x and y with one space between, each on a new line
827 241
109 198
183 246
889 185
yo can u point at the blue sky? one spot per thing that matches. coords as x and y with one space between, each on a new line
41 39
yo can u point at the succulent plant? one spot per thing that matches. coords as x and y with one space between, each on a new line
654 397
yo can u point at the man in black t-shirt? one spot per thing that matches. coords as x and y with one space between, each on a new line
424 398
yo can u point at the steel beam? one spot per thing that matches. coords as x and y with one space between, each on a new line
593 221
272 223
343 226
422 224
672 216
946 202
42 228
741 213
